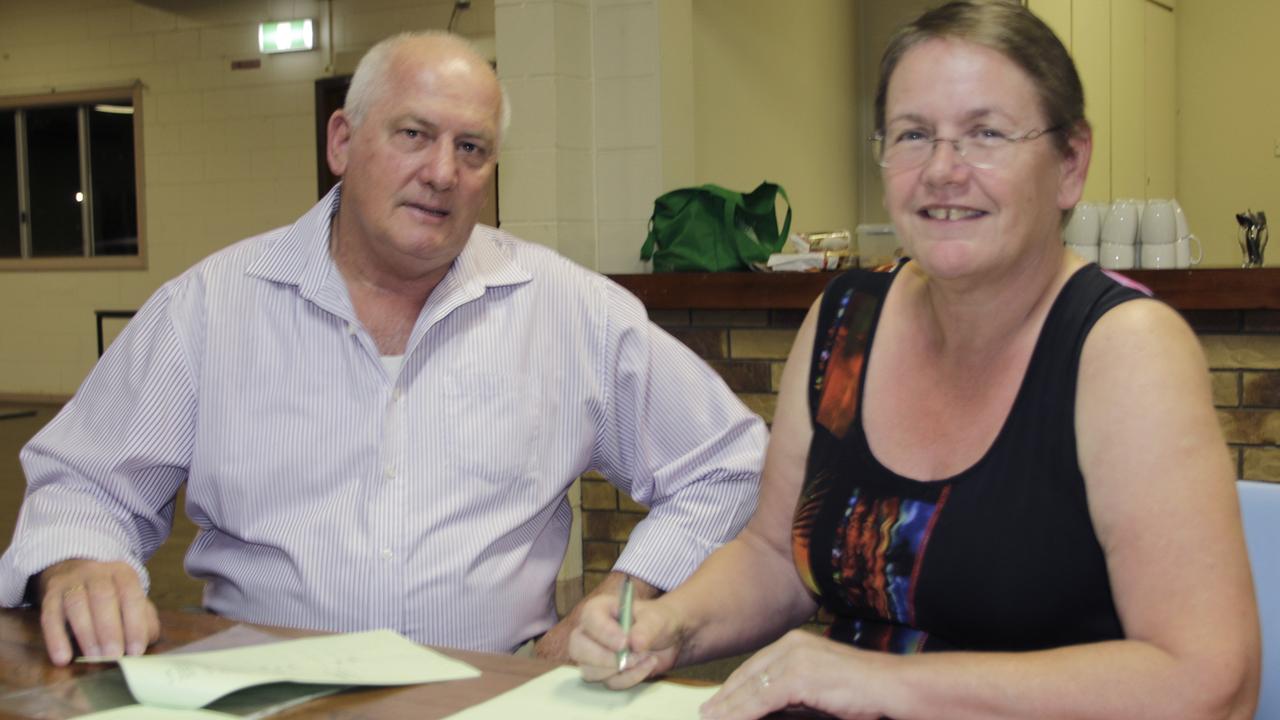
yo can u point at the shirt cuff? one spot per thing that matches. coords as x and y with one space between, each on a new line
662 553
22 562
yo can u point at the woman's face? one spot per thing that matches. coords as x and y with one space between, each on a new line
957 220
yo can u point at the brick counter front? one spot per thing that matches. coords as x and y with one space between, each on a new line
743 325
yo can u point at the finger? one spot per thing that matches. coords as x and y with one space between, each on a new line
740 706
104 605
751 677
75 606
600 623
633 675
597 661
135 613
751 696
53 622
747 673
597 673
153 623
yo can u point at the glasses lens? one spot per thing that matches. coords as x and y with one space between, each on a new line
983 155
904 155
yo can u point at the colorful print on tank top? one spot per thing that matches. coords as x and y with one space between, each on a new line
879 540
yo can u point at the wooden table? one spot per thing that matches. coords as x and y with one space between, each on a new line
24 665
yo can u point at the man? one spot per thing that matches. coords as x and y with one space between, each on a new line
378 410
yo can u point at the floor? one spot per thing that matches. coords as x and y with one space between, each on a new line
170 586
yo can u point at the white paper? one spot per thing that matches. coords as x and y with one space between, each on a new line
561 694
376 657
142 712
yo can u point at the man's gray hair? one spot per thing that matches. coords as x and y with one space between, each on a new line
370 76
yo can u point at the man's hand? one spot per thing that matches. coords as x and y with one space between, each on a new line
554 645
102 603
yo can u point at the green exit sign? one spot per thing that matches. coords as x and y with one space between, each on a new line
286 36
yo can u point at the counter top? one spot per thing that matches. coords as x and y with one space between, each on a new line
1207 289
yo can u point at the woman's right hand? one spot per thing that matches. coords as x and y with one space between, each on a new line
654 642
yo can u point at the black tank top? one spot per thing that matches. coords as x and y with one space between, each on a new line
1002 556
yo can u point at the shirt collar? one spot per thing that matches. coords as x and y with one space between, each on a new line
301 257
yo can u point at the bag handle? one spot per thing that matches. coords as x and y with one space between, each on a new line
760 205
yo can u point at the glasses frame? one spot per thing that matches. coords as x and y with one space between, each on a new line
878 148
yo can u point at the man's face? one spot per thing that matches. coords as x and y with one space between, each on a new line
416 169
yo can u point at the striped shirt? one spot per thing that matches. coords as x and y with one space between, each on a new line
332 493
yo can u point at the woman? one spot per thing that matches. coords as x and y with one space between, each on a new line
993 449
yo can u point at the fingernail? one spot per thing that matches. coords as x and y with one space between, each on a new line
111 651
61 657
136 648
92 651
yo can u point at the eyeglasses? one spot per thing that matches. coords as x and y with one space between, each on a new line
983 148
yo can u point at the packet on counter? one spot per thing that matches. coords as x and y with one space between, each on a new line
832 240
810 261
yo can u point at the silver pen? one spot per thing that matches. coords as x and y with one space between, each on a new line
624 619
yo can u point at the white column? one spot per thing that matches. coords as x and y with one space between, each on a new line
602 104
545 173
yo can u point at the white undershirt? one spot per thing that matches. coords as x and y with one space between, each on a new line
392 364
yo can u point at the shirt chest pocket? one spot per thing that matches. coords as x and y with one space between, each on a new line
489 426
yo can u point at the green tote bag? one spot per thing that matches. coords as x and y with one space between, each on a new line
710 229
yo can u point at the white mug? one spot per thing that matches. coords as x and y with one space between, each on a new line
1182 251
1158 256
1120 226
1085 225
1180 219
1159 224
1116 256
1088 252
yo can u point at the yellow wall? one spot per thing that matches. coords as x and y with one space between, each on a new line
774 100
1228 119
228 153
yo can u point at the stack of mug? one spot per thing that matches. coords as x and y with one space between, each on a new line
1132 234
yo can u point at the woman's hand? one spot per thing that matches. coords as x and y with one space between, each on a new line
804 670
655 642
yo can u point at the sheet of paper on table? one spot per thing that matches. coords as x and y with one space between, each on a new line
107 690
561 694
376 657
142 712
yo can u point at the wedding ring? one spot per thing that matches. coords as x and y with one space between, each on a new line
78 587
764 680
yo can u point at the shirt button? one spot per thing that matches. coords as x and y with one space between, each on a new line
397 394
351 328
389 472
386 553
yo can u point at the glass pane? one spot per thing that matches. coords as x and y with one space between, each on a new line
10 246
53 171
115 202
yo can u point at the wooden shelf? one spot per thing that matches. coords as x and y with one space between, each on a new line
1209 289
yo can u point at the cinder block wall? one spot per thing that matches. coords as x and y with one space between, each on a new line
748 349
1243 349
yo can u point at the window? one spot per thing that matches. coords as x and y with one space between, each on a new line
70 180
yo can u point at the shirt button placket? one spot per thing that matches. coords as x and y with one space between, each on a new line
389 494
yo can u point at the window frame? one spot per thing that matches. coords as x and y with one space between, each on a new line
78 98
